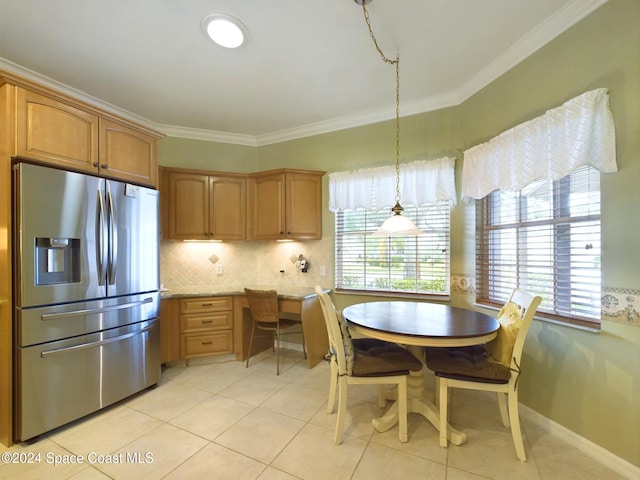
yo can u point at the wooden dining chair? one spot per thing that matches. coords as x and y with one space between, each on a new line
494 367
379 363
263 306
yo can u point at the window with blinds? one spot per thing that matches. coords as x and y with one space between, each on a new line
412 265
544 239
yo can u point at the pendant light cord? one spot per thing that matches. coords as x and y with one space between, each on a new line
395 62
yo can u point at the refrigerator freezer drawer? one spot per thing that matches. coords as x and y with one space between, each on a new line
46 324
62 381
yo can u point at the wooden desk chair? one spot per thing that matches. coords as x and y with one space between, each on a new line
381 363
494 367
263 305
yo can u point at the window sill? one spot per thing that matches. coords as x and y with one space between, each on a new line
577 324
381 293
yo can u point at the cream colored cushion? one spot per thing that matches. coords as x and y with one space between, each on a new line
501 347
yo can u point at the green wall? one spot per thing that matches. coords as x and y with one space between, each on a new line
587 382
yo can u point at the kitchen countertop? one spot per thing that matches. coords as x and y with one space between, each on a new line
295 293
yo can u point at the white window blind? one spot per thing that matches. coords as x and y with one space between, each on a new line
545 239
412 265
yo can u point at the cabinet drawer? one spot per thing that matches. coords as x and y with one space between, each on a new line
205 304
206 321
215 343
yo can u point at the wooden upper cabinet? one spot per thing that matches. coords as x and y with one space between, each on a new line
55 132
285 204
266 207
127 154
227 207
206 207
303 205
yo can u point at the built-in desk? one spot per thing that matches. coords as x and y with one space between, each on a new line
296 302
302 303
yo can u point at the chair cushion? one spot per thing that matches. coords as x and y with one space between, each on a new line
501 347
375 358
466 363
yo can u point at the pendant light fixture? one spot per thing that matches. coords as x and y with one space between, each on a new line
397 225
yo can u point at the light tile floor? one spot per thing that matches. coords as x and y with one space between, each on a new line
217 419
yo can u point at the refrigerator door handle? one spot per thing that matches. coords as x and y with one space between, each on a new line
82 346
78 313
101 251
113 237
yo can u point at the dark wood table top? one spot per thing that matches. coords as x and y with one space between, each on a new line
420 323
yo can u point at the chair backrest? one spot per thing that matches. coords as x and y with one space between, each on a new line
263 305
333 329
527 306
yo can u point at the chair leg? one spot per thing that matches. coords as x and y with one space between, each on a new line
515 425
333 384
402 411
444 387
502 404
342 409
253 327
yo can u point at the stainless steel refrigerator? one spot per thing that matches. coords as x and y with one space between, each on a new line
86 295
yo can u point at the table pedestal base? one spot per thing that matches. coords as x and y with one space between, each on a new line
416 403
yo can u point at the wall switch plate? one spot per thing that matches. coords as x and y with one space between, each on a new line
282 270
323 270
219 269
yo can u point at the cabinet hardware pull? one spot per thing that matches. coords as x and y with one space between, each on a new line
207 321
207 304
207 343
104 166
95 164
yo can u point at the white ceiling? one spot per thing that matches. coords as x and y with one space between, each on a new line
309 65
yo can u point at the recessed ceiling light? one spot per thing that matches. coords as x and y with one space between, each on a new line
226 31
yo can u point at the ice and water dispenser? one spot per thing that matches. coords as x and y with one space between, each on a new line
57 260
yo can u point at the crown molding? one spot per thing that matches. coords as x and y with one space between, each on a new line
75 93
532 41
528 44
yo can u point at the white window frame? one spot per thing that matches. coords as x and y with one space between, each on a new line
421 265
569 278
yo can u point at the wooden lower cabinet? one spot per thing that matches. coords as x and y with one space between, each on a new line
206 326
169 330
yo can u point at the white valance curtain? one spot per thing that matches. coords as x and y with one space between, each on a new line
580 132
421 182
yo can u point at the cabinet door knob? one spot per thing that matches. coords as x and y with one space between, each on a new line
104 166
95 164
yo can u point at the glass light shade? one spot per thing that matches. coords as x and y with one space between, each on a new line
224 30
397 225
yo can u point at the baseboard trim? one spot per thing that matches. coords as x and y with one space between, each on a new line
615 463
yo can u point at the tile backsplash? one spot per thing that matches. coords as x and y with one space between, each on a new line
234 264
237 264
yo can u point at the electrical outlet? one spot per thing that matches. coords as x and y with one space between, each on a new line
323 270
219 269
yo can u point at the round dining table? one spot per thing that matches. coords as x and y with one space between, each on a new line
418 325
